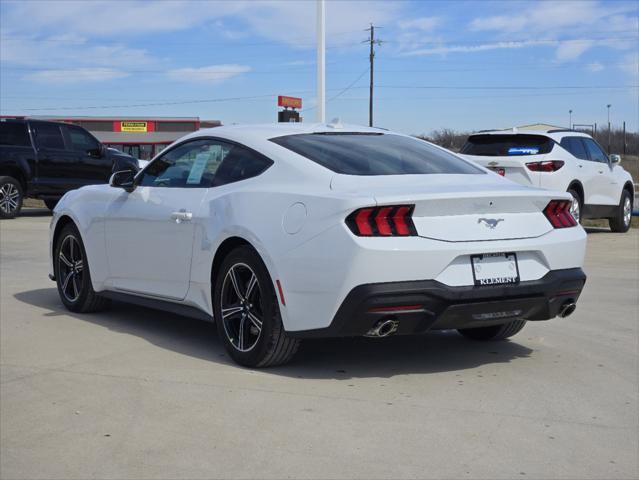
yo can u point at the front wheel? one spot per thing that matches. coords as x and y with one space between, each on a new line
621 221
11 196
496 332
72 273
247 313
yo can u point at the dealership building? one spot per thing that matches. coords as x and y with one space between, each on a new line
141 137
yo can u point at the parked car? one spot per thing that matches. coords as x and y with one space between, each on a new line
563 160
44 160
289 231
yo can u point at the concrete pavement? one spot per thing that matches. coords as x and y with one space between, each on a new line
135 393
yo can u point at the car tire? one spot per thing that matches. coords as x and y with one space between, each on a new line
495 332
577 205
51 203
621 221
72 274
11 197
247 314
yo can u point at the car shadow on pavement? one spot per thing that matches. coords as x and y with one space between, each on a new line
35 212
341 358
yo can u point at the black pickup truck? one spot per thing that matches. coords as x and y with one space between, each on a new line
41 159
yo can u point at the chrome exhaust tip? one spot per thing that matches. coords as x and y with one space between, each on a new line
383 328
567 309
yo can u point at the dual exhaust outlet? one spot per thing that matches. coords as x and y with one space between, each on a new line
388 326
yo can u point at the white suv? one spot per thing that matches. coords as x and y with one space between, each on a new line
560 160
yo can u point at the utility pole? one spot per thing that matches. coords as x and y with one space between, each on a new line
372 42
321 61
570 121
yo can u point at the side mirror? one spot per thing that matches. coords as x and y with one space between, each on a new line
97 152
124 179
124 162
615 159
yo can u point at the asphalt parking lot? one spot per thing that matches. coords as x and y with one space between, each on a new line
136 393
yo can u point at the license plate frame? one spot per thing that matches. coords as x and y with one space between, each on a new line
499 265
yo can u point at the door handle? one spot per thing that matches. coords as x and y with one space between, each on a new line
181 216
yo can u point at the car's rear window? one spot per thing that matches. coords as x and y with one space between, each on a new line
507 145
374 154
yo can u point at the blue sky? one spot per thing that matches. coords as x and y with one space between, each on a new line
465 65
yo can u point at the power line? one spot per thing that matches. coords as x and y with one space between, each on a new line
344 90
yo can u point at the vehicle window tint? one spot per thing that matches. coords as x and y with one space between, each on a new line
374 154
49 136
81 141
240 164
14 134
497 145
190 165
595 151
575 146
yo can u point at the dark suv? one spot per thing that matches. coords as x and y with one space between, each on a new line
44 160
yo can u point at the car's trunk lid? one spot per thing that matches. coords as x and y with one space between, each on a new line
458 208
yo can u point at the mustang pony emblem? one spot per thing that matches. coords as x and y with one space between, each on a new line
490 222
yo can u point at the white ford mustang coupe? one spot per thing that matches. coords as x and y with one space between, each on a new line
289 231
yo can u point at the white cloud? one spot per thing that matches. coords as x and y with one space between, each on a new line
291 22
571 50
595 67
576 19
211 74
421 23
445 49
79 75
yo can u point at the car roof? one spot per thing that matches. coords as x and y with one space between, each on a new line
260 132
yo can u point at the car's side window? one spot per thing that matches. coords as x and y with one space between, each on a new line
575 146
48 136
81 141
190 165
595 151
240 164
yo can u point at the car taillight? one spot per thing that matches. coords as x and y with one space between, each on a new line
386 221
548 166
558 214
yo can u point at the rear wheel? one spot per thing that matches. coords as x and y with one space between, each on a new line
72 273
577 204
621 221
247 313
496 332
11 196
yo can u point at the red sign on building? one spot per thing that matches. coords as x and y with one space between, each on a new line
289 102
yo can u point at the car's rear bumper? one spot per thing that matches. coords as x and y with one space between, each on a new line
419 306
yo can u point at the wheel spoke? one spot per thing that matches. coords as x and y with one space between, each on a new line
227 312
240 334
251 285
65 260
65 284
79 265
255 321
236 284
76 290
71 242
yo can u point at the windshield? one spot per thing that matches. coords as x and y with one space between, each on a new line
375 154
507 145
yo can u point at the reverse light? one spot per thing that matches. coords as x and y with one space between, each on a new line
385 221
548 166
558 214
